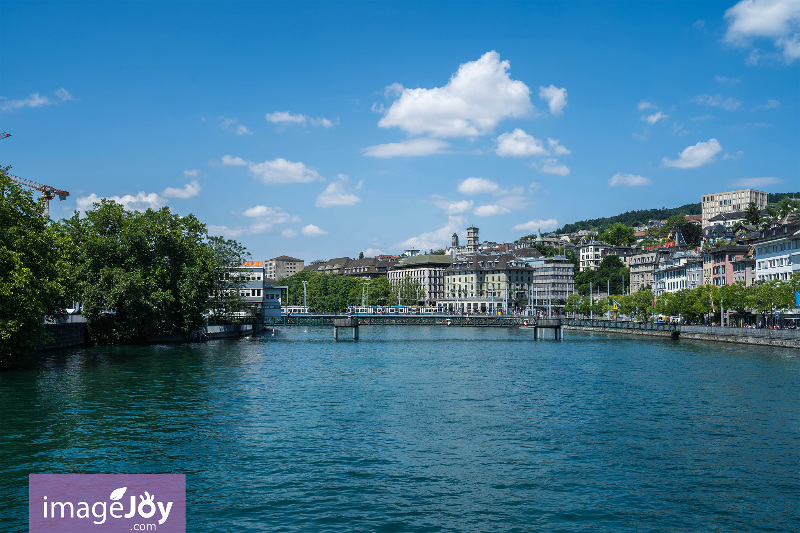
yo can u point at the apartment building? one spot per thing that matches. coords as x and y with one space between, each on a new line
481 284
428 270
730 201
553 279
722 261
643 267
282 267
676 275
591 253
777 252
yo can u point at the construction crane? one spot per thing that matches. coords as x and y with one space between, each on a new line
48 192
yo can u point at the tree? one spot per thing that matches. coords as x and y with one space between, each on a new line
31 252
692 234
361 255
751 214
408 291
787 205
139 274
618 234
225 298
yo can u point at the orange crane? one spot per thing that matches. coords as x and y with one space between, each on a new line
48 192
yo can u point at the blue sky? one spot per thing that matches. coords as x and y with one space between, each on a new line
322 129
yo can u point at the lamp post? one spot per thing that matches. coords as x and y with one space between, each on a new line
305 284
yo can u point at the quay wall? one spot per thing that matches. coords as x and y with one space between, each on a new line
764 337
65 336
649 333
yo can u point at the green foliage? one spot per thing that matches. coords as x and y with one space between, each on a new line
611 272
787 205
631 218
225 300
31 251
139 274
751 214
408 292
618 234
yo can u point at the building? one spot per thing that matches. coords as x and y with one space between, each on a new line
673 276
260 298
591 254
364 268
722 261
282 267
428 270
730 201
472 240
553 280
744 270
486 284
643 267
777 252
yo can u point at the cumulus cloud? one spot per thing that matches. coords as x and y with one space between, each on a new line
771 104
191 173
313 231
284 118
728 104
552 166
138 202
774 20
655 117
232 125
490 210
628 180
275 172
556 148
189 190
556 99
537 224
35 100
755 183
337 194
439 238
226 231
518 143
472 103
456 208
410 148
472 186
695 156
644 104
263 220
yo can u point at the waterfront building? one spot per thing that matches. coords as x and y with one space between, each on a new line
722 260
643 266
428 270
729 201
553 279
591 253
368 268
624 253
283 267
261 299
777 252
675 275
482 283
744 270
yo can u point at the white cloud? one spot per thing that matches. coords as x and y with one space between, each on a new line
474 100
34 100
188 191
555 148
725 79
191 173
644 104
411 148
490 210
64 95
518 143
439 238
628 180
728 104
472 186
393 91
771 104
655 117
232 125
776 20
289 233
536 224
139 202
226 231
372 252
275 172
552 166
313 231
695 156
336 194
755 183
285 117
556 99
456 208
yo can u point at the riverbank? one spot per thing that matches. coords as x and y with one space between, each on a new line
759 337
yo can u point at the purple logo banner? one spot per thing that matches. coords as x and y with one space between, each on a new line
67 503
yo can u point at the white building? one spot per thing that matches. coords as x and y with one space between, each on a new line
282 267
591 254
778 252
730 201
428 270
676 275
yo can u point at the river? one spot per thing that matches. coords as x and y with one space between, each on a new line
423 429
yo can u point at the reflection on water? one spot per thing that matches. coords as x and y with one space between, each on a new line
423 428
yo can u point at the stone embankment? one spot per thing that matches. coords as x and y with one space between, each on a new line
789 338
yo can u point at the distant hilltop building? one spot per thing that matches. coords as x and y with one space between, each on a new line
454 241
282 266
727 202
472 240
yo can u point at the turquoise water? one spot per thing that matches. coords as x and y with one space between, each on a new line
424 429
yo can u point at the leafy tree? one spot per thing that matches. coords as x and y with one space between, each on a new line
361 255
225 297
692 234
611 272
787 205
139 274
618 234
31 252
380 291
751 214
408 291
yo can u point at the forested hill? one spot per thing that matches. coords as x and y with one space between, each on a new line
631 218
639 218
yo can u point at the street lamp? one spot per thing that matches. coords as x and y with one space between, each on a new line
305 284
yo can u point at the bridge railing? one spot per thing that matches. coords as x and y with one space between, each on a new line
619 324
413 320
